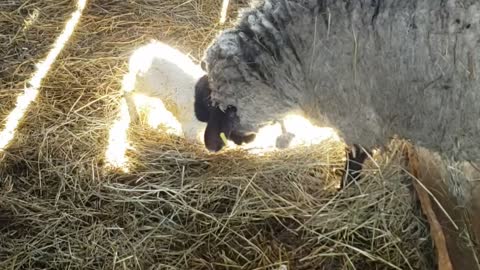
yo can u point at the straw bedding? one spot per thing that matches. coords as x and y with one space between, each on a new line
179 207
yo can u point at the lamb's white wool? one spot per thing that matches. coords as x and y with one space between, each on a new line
162 73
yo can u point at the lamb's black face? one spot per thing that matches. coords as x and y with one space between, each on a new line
218 121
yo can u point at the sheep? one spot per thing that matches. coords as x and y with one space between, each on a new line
159 71
371 70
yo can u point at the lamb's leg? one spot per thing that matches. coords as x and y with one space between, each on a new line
284 140
356 156
132 109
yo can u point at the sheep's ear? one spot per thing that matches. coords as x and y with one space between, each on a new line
203 65
215 125
202 104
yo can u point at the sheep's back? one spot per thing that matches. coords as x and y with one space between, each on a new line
406 68
369 69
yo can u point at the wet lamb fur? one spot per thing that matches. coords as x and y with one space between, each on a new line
369 69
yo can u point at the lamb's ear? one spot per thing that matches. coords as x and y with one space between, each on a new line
215 126
202 104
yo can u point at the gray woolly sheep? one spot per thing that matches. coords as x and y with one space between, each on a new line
369 69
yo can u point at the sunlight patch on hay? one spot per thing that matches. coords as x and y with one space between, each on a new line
118 142
223 14
42 68
305 134
264 141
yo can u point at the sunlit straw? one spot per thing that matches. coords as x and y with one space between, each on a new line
223 14
117 142
305 134
42 68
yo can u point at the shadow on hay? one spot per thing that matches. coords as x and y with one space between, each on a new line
247 211
219 220
216 210
181 207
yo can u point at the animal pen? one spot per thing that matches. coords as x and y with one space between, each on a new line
83 187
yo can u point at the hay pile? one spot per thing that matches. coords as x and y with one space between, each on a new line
179 208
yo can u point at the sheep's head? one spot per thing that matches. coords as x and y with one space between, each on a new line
241 92
218 121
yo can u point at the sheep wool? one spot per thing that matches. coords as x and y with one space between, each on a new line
369 69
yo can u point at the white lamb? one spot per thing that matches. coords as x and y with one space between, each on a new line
165 74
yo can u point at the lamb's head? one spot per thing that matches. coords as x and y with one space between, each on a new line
218 121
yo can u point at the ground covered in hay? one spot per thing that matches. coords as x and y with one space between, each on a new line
179 207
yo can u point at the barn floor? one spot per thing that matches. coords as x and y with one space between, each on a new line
178 207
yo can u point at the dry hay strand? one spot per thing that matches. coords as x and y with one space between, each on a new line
79 98
179 207
27 31
186 209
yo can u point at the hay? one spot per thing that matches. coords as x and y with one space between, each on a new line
187 210
26 36
179 207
